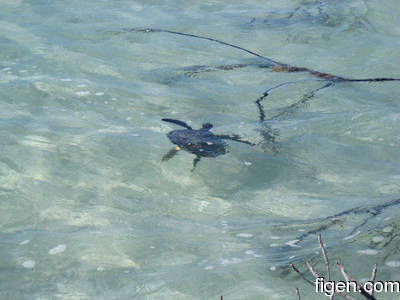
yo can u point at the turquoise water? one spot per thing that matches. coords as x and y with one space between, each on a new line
89 210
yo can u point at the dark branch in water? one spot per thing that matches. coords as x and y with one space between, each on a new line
298 294
148 30
274 65
270 136
297 105
265 95
372 211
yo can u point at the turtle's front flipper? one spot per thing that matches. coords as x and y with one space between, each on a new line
236 138
177 122
195 161
171 153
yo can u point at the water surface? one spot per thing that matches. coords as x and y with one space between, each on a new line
89 210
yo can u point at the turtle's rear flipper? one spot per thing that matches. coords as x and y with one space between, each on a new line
235 138
180 123
195 161
171 153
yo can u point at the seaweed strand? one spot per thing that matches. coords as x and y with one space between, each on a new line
274 65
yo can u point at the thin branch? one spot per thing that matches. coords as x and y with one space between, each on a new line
266 94
301 275
148 30
321 245
285 111
298 293
349 278
328 271
310 267
373 276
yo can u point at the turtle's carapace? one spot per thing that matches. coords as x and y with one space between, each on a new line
201 142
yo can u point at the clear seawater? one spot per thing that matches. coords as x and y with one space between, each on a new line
89 211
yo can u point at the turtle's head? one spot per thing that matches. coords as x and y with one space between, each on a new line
207 126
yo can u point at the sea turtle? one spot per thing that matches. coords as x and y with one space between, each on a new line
201 142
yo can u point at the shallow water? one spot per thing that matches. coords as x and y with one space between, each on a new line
89 210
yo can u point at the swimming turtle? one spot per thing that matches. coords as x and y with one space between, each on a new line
201 142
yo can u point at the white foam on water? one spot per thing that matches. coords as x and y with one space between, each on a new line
100 269
244 235
209 268
82 93
66 79
368 251
388 229
24 242
274 237
247 163
233 260
29 264
57 249
99 93
293 243
351 236
274 245
249 252
393 263
272 268
378 238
